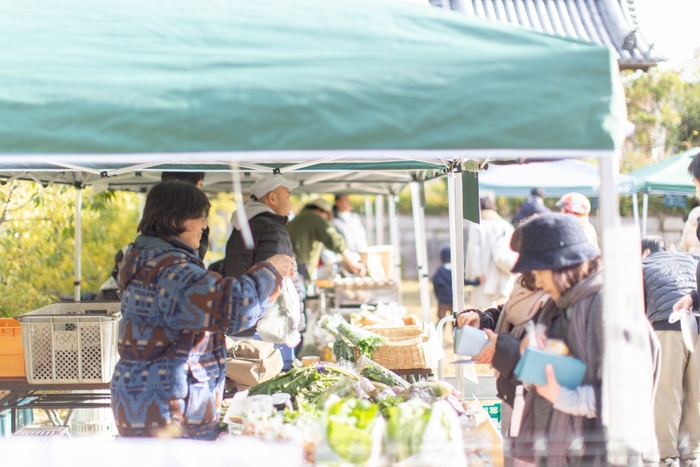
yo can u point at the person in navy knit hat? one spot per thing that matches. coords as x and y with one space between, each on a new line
442 283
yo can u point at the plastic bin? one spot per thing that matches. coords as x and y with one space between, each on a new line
67 343
11 351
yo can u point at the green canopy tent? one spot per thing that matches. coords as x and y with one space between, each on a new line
667 176
93 91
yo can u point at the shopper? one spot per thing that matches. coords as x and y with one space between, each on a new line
689 239
489 257
534 204
668 276
578 205
169 379
109 290
565 265
442 283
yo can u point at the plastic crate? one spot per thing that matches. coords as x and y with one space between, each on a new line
11 352
68 343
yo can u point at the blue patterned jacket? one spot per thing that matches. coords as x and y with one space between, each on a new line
171 372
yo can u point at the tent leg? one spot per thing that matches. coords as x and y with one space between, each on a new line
369 221
379 218
645 213
418 202
455 201
395 241
78 240
635 209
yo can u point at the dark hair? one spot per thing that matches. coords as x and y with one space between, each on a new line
538 192
565 278
694 167
338 196
527 280
487 203
655 243
189 177
168 205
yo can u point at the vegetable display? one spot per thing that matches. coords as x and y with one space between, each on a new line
405 427
349 426
366 341
375 372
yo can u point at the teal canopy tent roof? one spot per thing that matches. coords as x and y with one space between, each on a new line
289 80
668 176
556 177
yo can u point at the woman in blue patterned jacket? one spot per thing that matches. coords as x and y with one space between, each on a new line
171 372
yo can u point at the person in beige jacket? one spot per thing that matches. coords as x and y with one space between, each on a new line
689 241
489 258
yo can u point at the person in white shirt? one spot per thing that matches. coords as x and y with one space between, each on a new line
349 224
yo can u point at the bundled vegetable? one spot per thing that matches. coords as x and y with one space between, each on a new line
349 425
375 372
310 384
342 349
405 428
366 341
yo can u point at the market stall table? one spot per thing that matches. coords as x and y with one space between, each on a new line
19 394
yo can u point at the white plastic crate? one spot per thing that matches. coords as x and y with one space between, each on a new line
71 342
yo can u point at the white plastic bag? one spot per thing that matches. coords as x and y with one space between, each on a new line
280 322
689 326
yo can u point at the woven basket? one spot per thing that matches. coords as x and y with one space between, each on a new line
404 354
413 328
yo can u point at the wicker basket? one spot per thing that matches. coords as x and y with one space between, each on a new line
404 354
413 328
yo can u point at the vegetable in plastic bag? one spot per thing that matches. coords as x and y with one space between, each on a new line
280 322
375 372
349 429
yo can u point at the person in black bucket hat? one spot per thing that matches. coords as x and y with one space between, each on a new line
553 241
555 249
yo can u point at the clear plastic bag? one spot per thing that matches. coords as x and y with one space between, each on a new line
280 322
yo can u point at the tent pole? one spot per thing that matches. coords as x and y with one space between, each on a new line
379 216
635 208
395 241
645 213
78 239
369 221
455 202
418 202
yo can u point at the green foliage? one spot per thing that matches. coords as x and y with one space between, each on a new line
666 113
37 243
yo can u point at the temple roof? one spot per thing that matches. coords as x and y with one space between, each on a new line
608 22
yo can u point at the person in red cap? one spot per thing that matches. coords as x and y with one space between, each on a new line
578 205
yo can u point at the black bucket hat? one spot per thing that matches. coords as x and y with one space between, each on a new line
553 241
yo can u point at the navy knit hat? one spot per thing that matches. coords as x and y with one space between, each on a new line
445 255
553 241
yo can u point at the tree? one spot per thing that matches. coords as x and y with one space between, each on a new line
37 227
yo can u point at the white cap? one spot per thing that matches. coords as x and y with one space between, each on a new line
266 184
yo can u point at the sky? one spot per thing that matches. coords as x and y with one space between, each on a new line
672 25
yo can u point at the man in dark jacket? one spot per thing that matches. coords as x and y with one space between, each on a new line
534 204
668 276
267 214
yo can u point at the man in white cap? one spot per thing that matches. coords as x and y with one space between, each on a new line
310 231
578 205
267 214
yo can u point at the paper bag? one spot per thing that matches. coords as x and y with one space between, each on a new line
253 362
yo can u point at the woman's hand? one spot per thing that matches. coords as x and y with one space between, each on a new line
284 264
487 353
549 391
685 303
469 318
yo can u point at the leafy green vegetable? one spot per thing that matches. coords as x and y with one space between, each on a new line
363 339
342 349
375 372
405 428
349 428
310 384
